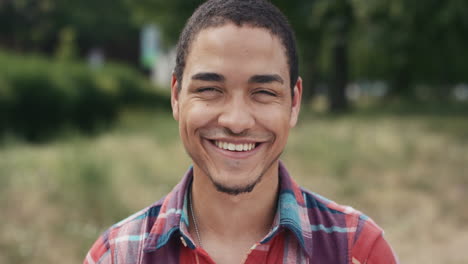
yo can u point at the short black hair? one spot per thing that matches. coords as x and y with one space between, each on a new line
254 13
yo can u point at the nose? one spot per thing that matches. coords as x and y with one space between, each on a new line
236 116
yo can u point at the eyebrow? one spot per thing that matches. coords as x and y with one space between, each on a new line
259 78
209 77
266 78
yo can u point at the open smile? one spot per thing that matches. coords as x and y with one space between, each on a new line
234 146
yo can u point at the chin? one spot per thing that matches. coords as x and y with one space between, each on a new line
235 190
228 187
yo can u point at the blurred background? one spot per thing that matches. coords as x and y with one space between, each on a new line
87 136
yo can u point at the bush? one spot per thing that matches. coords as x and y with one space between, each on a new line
40 97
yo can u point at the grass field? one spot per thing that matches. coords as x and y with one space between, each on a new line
409 173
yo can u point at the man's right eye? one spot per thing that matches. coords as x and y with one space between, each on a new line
207 90
208 93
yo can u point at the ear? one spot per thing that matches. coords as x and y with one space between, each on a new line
175 97
296 102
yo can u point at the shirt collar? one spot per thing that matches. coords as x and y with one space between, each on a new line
292 214
172 218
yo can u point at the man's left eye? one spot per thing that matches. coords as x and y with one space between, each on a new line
265 92
207 89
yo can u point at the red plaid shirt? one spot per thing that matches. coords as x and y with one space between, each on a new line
307 229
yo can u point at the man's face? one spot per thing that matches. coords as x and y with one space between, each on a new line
235 107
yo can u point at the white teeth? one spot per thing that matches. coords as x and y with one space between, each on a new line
231 146
235 147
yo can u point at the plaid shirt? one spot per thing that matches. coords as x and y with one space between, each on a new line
307 229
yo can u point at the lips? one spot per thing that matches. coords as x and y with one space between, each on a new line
239 147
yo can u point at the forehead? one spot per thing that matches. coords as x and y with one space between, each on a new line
237 49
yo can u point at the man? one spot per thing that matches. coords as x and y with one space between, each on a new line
236 93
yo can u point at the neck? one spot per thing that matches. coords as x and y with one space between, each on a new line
225 217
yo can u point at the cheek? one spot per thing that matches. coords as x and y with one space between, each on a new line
275 119
196 115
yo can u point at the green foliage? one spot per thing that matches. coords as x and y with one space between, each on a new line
66 49
38 25
411 42
405 43
169 15
39 98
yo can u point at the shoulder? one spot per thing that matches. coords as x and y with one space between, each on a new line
129 232
318 203
146 215
365 240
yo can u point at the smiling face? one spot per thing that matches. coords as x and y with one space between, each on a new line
234 107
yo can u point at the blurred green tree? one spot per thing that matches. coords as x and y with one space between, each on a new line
405 43
410 43
169 15
39 26
323 29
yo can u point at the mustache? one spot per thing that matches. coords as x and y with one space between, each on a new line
226 132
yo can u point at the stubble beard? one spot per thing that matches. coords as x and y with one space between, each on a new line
236 190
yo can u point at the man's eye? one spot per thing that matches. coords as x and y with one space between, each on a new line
207 89
265 92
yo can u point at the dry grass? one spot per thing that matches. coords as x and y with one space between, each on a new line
410 178
408 174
